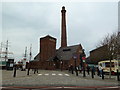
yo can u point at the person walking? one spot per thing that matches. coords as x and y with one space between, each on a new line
100 70
88 69
93 68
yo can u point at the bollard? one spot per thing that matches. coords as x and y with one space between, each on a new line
72 69
102 74
84 73
88 71
92 73
34 71
14 75
69 69
37 70
28 71
76 71
72 72
118 75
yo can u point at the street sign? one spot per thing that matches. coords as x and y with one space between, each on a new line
75 56
83 58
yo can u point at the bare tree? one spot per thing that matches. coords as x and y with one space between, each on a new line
112 42
113 46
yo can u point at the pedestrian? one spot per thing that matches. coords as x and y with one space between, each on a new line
88 69
37 70
93 68
100 69
34 71
80 69
72 69
69 68
98 72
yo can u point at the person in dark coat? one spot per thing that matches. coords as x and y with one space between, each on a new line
93 68
88 69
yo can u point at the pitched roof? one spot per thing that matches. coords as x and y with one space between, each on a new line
48 36
65 53
37 57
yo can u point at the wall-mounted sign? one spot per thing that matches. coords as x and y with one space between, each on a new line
75 56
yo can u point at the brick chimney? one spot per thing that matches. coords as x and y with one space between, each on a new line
63 27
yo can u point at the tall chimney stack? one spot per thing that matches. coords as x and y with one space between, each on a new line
63 27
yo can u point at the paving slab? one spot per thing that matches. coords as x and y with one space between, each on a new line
54 78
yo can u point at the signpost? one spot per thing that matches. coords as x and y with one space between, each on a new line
83 58
75 57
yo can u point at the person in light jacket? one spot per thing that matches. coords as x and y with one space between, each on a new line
100 69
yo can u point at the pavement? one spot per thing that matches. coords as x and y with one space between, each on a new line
55 78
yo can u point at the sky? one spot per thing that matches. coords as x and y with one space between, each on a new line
24 23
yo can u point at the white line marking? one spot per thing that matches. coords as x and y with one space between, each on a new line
46 74
60 74
67 74
53 74
112 87
39 74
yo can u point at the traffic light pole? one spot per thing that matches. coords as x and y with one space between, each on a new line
84 70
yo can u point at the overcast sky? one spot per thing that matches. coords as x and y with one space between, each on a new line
87 23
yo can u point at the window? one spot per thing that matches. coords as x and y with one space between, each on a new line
66 49
107 64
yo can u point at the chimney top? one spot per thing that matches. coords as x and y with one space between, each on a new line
63 8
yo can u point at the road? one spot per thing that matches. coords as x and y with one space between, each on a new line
54 78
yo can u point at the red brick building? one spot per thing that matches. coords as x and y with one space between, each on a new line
64 57
47 49
50 58
98 54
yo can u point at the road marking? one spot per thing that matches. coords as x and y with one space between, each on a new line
67 74
47 74
40 74
60 74
53 74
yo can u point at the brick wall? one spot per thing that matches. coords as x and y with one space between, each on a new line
99 54
47 47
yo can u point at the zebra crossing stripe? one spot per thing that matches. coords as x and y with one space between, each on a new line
46 74
53 74
60 74
40 74
67 74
